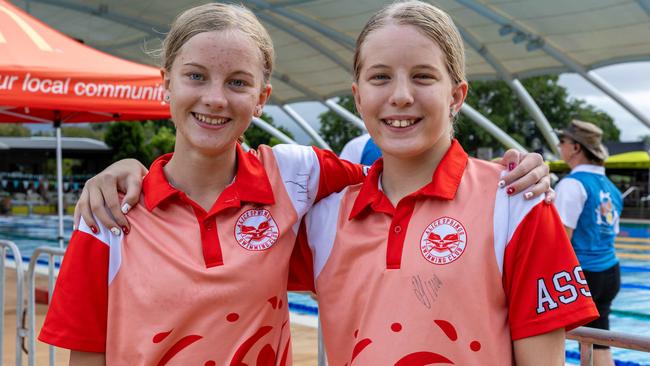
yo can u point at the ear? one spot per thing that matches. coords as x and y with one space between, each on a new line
458 94
263 98
357 97
166 83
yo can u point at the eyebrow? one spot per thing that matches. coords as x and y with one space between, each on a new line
205 68
421 66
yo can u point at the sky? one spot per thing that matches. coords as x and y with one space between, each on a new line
632 80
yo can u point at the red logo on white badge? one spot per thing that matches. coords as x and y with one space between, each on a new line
256 230
443 241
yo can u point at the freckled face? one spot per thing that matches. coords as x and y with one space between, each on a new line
404 92
215 84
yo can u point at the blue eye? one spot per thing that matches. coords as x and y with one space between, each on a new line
195 76
380 77
238 83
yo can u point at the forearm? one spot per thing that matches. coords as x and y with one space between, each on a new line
542 350
78 358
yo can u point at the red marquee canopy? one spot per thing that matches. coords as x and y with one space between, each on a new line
46 76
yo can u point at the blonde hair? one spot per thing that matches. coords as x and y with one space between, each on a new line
216 17
431 21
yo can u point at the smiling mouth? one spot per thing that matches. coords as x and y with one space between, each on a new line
400 123
210 120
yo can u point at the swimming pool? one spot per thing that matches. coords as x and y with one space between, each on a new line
631 308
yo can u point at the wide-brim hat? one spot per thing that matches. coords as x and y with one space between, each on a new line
588 135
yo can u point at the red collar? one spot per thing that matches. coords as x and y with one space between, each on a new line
251 182
443 185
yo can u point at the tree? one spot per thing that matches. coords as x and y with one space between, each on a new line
255 136
14 130
76 131
127 141
335 130
162 142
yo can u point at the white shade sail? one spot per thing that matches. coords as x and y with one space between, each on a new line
314 39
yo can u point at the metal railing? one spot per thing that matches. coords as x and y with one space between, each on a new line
587 337
20 331
31 300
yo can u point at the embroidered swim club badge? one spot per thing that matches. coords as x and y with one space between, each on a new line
256 230
443 241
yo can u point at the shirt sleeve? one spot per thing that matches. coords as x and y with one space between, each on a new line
335 173
570 200
543 281
77 316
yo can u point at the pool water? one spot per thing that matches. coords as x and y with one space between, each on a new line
630 310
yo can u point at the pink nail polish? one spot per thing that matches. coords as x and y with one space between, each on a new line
510 190
94 229
511 166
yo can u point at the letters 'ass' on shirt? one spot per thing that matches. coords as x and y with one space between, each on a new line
190 287
453 274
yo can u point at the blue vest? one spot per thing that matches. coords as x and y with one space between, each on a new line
593 237
370 153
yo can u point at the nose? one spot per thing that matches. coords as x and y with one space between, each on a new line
402 94
215 97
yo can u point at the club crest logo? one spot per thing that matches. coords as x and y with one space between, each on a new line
443 241
256 230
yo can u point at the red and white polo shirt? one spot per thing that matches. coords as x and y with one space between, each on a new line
453 274
190 287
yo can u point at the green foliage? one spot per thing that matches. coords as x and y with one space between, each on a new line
255 136
496 101
14 130
76 131
144 141
162 142
127 139
335 130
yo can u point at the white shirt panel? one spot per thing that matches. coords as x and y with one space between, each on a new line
114 243
353 150
321 224
300 171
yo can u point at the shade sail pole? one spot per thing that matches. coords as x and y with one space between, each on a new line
491 128
520 91
266 127
345 114
534 41
59 176
306 127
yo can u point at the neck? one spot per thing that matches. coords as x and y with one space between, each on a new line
405 175
578 159
202 177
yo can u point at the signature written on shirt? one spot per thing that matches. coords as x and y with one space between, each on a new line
426 289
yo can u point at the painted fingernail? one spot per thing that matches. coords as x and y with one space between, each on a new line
528 195
510 190
125 208
94 229
511 166
125 229
115 231
502 183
